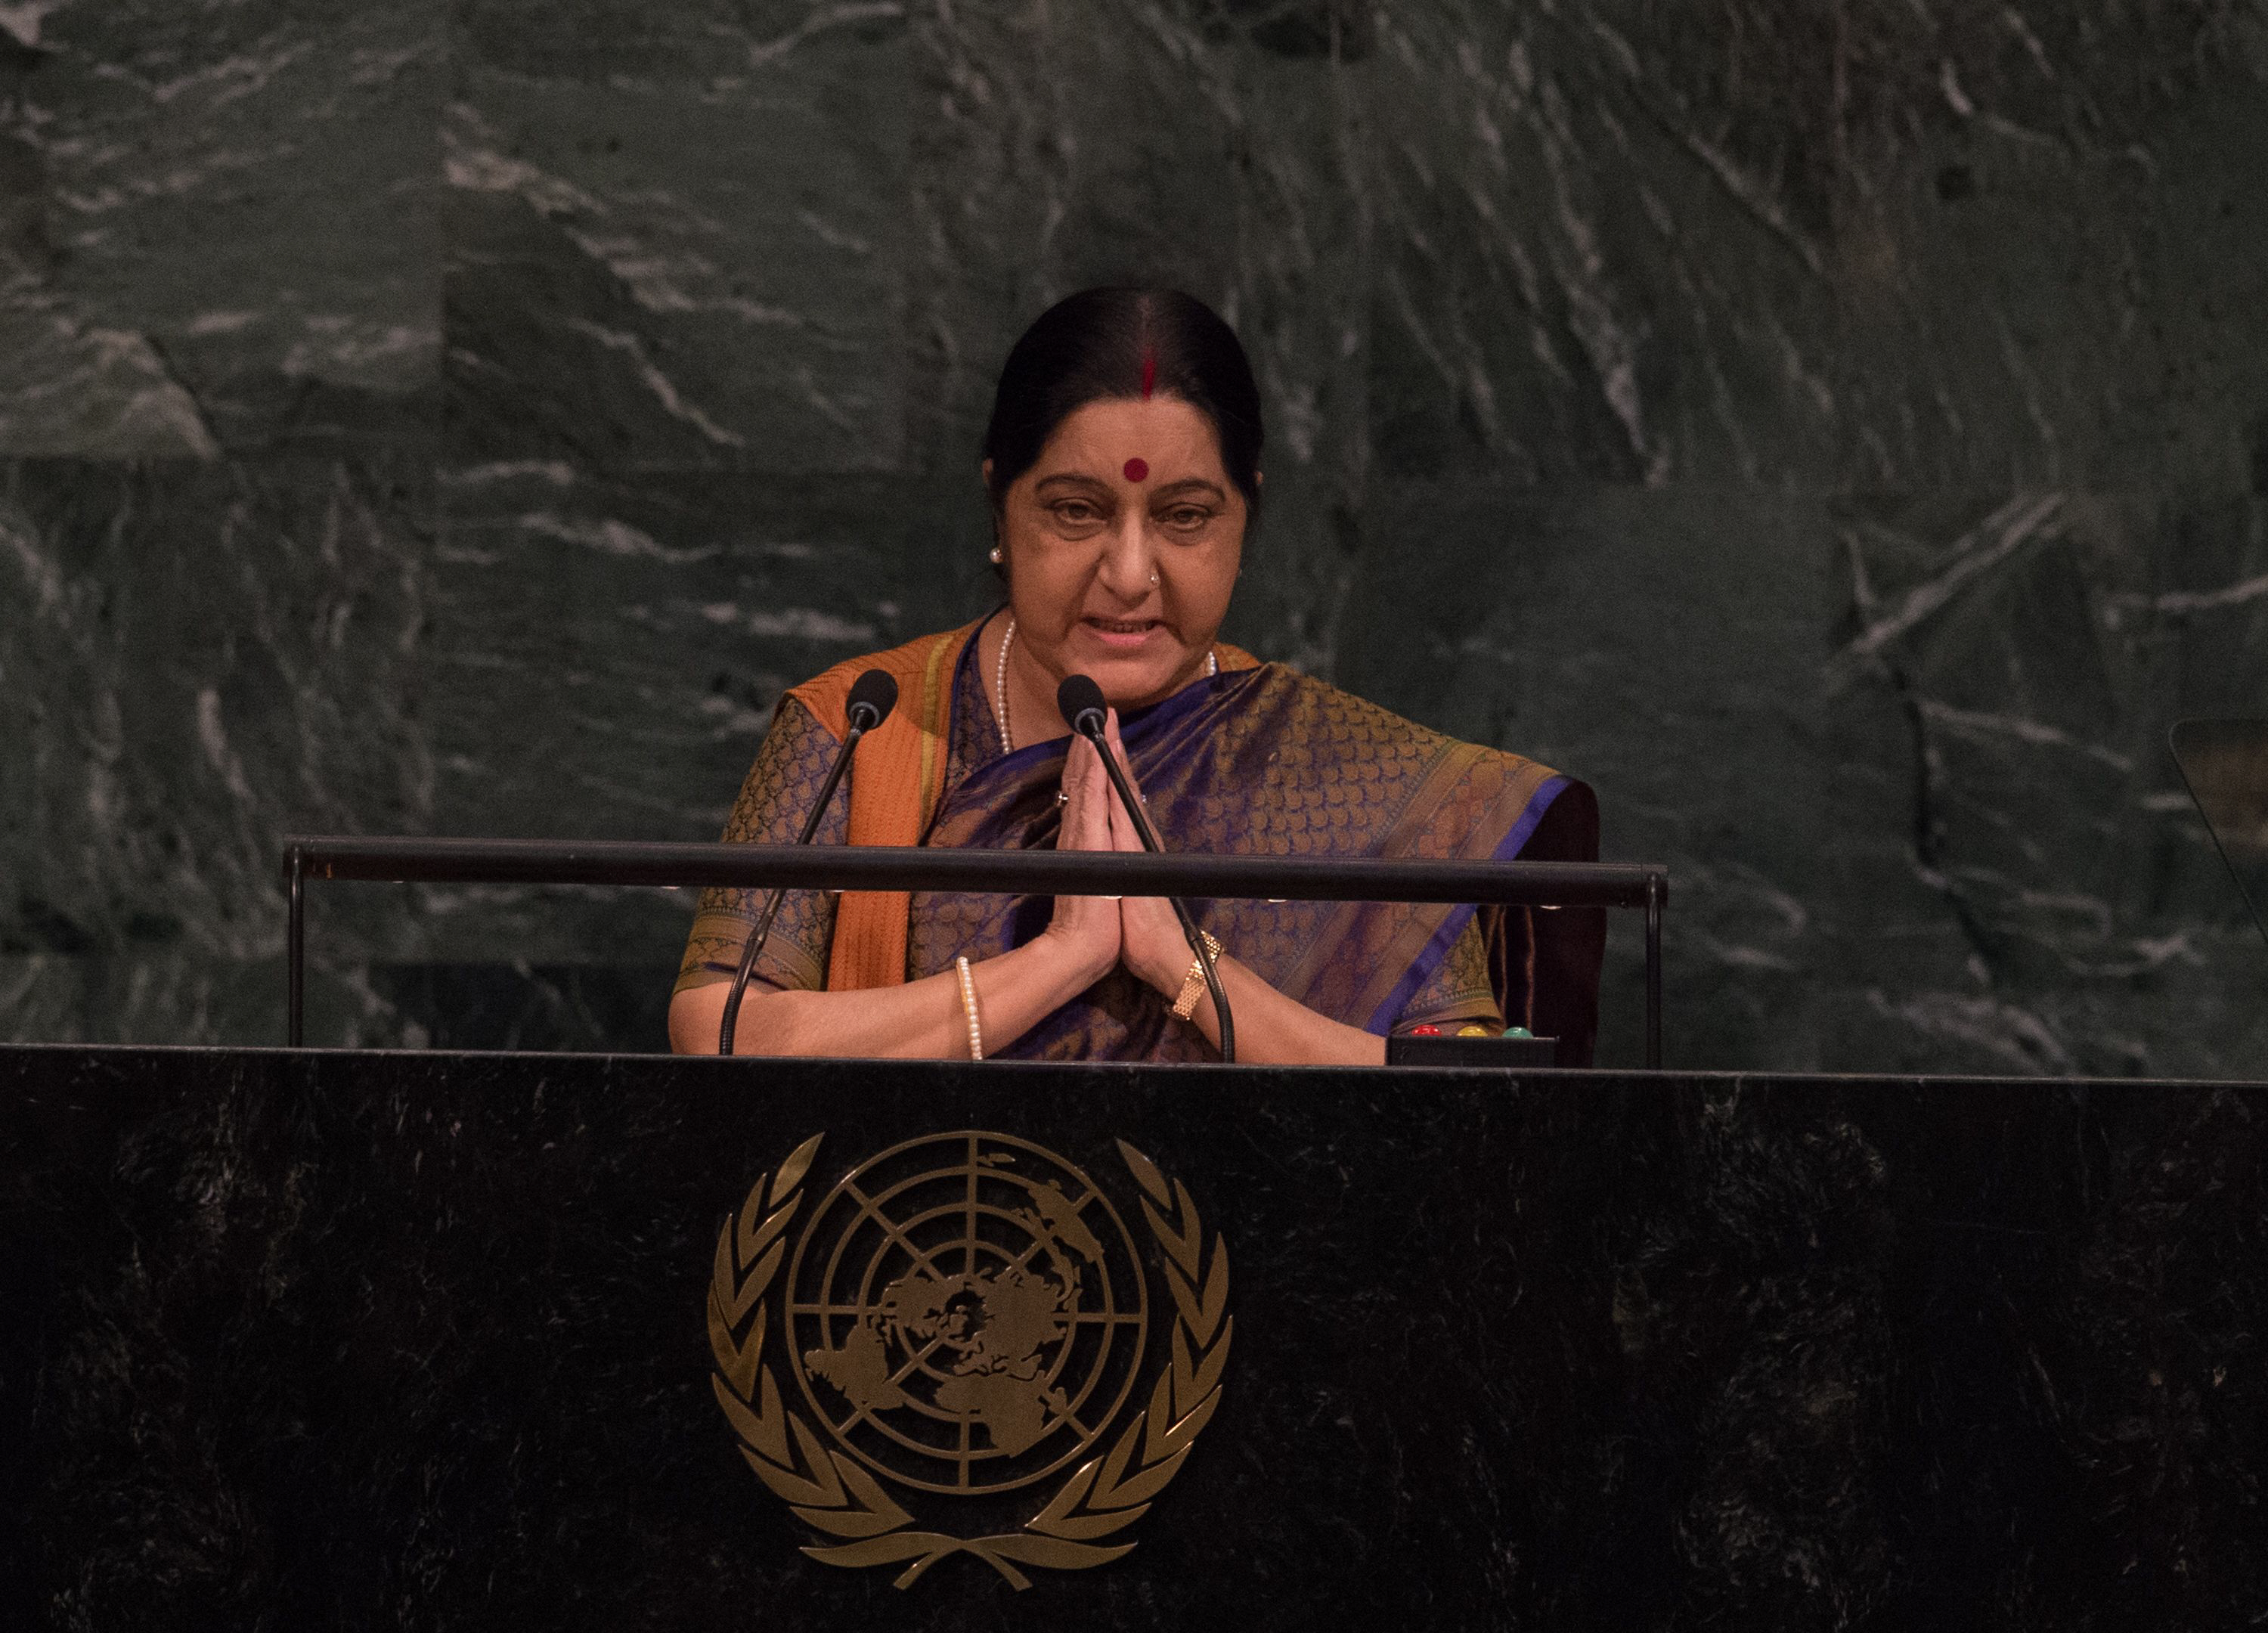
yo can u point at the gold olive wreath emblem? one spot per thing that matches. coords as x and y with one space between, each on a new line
975 1314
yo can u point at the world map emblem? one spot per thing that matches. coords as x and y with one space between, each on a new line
967 1315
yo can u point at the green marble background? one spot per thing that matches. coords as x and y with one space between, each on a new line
1837 429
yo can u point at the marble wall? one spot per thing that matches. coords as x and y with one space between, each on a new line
1837 429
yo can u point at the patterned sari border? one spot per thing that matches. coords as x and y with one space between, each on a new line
1453 925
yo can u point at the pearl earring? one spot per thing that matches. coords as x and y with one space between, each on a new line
996 556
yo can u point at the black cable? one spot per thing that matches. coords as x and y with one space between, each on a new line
1080 701
873 695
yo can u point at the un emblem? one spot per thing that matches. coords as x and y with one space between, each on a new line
964 1316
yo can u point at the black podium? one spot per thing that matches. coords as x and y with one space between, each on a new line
305 1340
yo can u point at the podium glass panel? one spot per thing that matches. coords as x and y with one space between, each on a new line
2225 762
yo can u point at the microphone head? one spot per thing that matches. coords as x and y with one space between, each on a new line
873 695
1080 701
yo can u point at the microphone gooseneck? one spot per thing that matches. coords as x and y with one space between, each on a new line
1080 702
873 695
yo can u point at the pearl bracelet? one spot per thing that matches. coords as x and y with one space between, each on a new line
968 1007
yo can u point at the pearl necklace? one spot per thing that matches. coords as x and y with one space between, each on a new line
1000 688
1000 685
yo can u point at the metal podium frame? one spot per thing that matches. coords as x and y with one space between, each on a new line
1640 885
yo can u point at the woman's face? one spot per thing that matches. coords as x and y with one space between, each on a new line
1122 544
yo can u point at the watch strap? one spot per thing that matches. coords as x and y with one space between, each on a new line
1193 984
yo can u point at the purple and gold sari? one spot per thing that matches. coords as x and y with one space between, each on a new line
1253 762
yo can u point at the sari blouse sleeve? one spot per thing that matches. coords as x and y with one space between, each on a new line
781 785
1544 962
1458 992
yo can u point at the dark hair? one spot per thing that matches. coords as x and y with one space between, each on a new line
1103 344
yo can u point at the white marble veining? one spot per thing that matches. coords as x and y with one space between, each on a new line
1846 446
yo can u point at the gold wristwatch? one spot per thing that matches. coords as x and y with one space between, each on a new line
1193 984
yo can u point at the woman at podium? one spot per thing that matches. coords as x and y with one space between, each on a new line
1123 463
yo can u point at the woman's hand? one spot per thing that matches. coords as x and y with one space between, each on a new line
1016 990
1270 1028
1150 943
1085 928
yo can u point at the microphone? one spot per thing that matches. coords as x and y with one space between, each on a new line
1080 701
873 695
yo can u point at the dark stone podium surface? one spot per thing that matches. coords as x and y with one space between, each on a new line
298 1340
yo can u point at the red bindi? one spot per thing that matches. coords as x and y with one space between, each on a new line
1137 469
